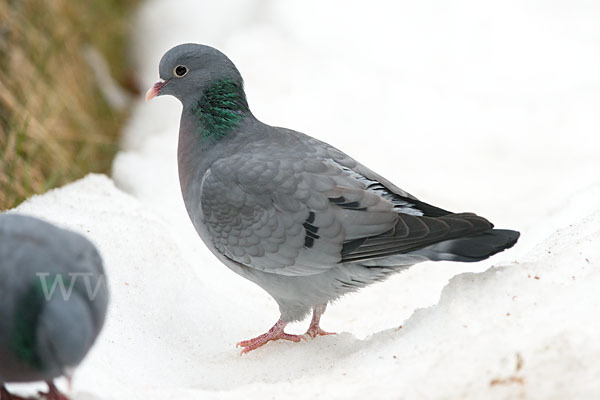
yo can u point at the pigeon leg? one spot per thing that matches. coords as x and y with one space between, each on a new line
275 333
314 329
53 393
4 395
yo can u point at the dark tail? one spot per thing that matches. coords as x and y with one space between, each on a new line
471 248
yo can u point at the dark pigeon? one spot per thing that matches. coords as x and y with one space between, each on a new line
46 333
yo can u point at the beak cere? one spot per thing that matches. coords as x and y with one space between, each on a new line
155 90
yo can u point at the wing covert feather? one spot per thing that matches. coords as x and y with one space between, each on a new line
297 206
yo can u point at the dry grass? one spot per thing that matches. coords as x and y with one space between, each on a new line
55 126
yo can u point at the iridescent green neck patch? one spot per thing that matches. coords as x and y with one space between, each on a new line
220 110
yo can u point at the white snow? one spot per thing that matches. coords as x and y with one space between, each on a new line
478 106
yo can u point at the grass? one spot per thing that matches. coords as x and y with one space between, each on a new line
55 125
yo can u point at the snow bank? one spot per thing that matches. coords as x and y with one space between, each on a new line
526 329
486 108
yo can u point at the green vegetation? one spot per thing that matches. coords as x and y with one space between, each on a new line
55 125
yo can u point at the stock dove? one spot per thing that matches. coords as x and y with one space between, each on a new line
294 215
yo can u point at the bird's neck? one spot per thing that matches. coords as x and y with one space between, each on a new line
211 121
219 111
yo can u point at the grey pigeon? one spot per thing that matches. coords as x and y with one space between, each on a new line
46 329
294 215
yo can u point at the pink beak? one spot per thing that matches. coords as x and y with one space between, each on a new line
155 90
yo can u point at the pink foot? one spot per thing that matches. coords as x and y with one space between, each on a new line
314 329
53 393
275 333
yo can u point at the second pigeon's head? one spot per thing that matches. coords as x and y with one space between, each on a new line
188 69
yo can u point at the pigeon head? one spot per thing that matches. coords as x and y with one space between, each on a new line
187 70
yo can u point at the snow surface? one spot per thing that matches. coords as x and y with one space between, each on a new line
470 105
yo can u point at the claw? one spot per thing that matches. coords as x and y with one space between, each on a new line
275 333
314 329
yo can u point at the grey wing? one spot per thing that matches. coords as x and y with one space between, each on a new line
285 214
302 213
418 225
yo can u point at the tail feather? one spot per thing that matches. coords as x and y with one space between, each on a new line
471 248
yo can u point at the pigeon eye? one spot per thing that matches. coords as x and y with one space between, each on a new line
180 71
